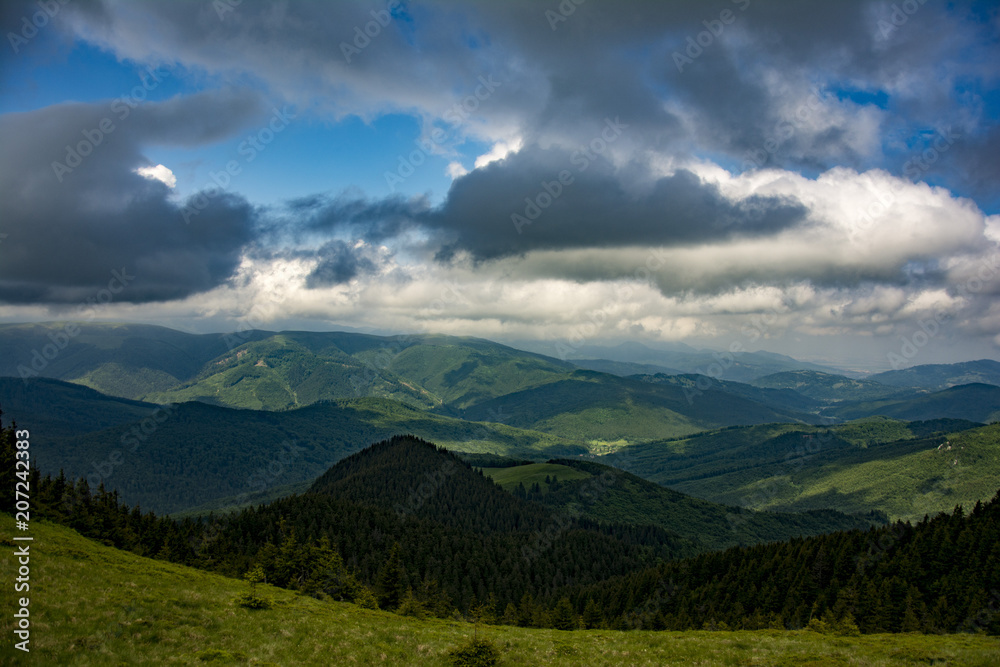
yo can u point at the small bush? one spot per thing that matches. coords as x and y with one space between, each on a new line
253 601
475 653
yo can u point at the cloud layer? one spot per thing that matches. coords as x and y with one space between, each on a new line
673 167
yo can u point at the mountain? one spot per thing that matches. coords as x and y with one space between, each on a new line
903 469
455 377
622 368
272 371
740 367
598 407
610 495
781 399
936 377
826 386
126 360
57 410
974 402
173 457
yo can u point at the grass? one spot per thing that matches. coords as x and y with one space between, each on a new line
93 605
509 478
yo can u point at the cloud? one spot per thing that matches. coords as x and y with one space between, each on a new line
77 209
339 263
158 173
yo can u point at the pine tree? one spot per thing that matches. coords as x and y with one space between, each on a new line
592 616
391 582
564 616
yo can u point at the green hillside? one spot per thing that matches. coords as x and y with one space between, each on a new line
127 360
599 407
59 410
942 376
535 473
902 469
95 605
610 495
826 386
177 457
975 402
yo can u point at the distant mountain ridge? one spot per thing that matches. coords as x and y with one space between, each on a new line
943 376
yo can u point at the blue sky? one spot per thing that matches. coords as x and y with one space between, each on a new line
684 169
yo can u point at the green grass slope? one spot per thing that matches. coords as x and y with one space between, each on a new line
93 605
534 473
599 407
903 469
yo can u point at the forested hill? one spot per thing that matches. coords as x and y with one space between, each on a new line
941 575
410 476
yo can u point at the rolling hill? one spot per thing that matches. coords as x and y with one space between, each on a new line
679 358
974 402
596 406
609 495
170 458
936 377
826 387
903 469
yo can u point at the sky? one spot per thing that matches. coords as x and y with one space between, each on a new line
819 179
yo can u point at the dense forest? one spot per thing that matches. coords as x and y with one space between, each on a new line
436 537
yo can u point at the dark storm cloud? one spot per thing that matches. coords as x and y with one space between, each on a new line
339 262
566 66
553 199
75 210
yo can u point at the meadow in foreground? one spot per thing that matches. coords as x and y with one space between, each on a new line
94 605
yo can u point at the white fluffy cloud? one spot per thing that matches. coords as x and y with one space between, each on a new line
158 173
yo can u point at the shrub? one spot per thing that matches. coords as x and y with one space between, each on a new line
475 653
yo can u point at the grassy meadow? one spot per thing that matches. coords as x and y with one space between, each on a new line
93 605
